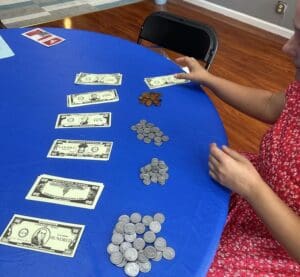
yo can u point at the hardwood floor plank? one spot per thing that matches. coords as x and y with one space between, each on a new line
246 55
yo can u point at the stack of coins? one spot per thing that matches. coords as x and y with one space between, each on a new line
148 132
155 172
134 243
150 98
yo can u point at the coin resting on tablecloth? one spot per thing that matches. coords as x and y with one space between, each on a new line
150 98
148 132
135 243
155 172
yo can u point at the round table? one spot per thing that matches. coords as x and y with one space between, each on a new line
34 85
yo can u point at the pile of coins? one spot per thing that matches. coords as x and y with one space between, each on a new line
134 243
148 132
155 172
150 98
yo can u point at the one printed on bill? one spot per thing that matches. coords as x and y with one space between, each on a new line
83 120
113 79
164 81
65 191
80 149
43 235
91 98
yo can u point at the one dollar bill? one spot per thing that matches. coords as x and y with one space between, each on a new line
163 81
65 191
114 79
43 235
80 149
91 98
83 120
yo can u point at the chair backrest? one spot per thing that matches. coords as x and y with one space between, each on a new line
2 26
181 35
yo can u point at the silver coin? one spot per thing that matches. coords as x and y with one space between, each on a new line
132 269
147 219
149 236
154 179
129 228
158 143
143 121
157 139
140 228
165 138
130 237
155 226
159 217
133 127
111 248
122 264
146 182
142 257
145 267
116 258
120 227
160 243
169 253
117 238
154 160
135 217
131 254
139 244
147 140
124 246
150 252
148 167
124 218
158 256
140 136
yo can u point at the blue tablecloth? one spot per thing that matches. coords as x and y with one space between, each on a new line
34 85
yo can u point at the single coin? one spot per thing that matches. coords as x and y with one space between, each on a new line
147 219
140 228
111 248
169 253
124 246
145 267
131 254
160 243
130 237
158 256
135 217
150 252
159 217
116 258
149 236
132 269
139 244
124 218
117 238
129 228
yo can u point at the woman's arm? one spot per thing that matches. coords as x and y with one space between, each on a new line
261 104
235 172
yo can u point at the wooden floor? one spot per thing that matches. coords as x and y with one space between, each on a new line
245 55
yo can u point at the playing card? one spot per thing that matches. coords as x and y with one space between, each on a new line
43 235
163 81
65 191
94 97
80 149
43 37
83 120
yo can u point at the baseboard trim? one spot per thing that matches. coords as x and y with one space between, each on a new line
251 20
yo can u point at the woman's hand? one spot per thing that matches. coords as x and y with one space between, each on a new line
233 171
197 72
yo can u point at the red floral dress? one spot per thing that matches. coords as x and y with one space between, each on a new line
246 247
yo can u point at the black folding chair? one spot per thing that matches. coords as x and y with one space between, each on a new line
2 26
179 34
